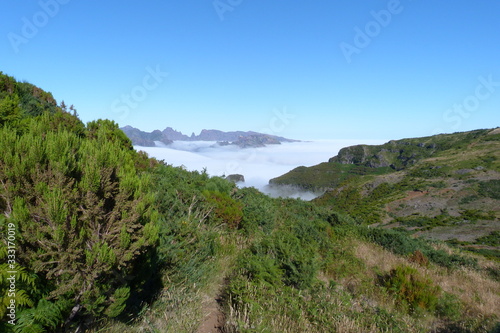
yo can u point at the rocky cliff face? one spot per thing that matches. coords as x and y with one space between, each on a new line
395 154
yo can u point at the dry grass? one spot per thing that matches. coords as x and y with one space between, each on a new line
479 294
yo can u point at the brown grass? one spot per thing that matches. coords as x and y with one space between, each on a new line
479 294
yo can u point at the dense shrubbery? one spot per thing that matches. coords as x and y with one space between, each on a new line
259 212
83 217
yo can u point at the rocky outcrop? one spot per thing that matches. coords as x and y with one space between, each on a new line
236 178
396 154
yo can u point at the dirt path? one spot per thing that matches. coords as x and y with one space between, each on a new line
214 317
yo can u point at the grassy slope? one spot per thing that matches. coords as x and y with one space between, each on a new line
442 187
283 265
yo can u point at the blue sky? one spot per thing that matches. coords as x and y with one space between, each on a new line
306 70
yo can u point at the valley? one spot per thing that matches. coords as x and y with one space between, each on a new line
111 239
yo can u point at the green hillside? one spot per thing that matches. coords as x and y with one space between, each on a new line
443 187
97 237
478 149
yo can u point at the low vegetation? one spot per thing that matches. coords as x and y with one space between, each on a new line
110 240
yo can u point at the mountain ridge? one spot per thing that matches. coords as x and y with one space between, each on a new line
243 139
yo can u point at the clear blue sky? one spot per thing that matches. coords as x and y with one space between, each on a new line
323 69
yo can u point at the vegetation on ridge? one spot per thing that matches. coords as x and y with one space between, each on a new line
434 186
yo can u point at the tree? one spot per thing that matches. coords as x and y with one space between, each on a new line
10 112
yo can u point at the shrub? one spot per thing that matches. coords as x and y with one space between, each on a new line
444 259
262 269
411 289
258 211
83 215
402 244
226 209
297 261
394 241
419 258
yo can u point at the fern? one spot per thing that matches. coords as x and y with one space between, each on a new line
26 323
45 317
48 314
120 298
21 296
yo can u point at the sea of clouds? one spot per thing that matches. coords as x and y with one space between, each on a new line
257 165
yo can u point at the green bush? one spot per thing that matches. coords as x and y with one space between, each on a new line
394 241
259 212
411 289
262 269
83 213
403 244
428 171
444 259
226 209
282 255
468 199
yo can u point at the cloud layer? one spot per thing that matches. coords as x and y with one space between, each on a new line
258 165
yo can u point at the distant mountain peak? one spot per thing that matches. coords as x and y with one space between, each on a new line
168 135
